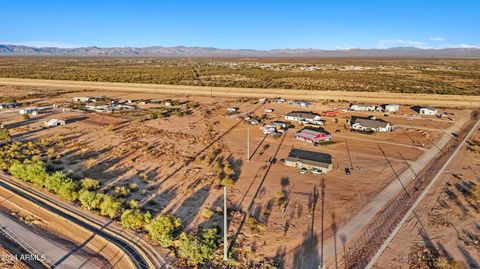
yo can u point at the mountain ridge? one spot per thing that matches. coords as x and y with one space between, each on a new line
182 51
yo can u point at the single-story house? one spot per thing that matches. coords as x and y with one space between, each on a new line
428 110
300 103
9 105
359 107
369 125
313 136
309 159
53 123
30 110
303 116
81 99
390 107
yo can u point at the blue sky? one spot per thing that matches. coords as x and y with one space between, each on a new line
242 24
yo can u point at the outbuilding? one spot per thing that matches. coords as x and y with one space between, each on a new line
428 110
313 136
310 160
53 123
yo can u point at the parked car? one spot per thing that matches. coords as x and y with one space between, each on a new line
347 171
303 171
316 171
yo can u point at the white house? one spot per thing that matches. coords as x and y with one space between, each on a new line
359 107
391 108
81 99
304 116
232 109
30 110
428 110
53 123
370 125
300 103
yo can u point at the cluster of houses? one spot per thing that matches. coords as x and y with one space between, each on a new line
109 107
277 100
105 105
424 110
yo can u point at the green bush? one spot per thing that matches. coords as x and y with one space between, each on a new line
4 134
135 219
161 229
197 248
110 207
90 184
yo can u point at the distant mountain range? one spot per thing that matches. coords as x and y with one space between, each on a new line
158 51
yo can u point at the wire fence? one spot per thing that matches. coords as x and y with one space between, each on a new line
362 249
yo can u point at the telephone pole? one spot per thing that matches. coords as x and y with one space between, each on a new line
248 144
225 228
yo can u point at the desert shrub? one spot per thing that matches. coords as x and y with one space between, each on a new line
207 213
4 134
197 248
90 184
110 207
254 224
90 200
121 191
135 219
161 229
227 181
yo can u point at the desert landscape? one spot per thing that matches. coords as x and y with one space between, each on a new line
168 150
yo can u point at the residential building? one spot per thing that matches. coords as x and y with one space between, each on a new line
9 105
313 136
53 123
360 107
304 117
428 110
365 124
300 103
81 99
390 107
309 159
30 110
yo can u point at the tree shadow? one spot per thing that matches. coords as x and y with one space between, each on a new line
191 206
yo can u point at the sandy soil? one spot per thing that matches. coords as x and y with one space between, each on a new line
162 159
375 97
447 222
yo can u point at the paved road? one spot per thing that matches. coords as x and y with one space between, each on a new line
374 97
136 257
53 250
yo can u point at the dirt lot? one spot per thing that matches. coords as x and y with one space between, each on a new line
446 229
168 164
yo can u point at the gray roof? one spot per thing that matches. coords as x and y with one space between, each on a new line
303 114
369 123
310 157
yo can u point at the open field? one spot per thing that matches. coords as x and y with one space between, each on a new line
430 76
170 164
317 95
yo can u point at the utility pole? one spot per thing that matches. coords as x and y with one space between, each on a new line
248 144
225 227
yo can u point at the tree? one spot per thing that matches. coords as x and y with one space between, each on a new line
110 207
90 184
90 200
135 219
197 248
162 228
4 134
227 181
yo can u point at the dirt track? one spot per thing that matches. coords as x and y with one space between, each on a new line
372 97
